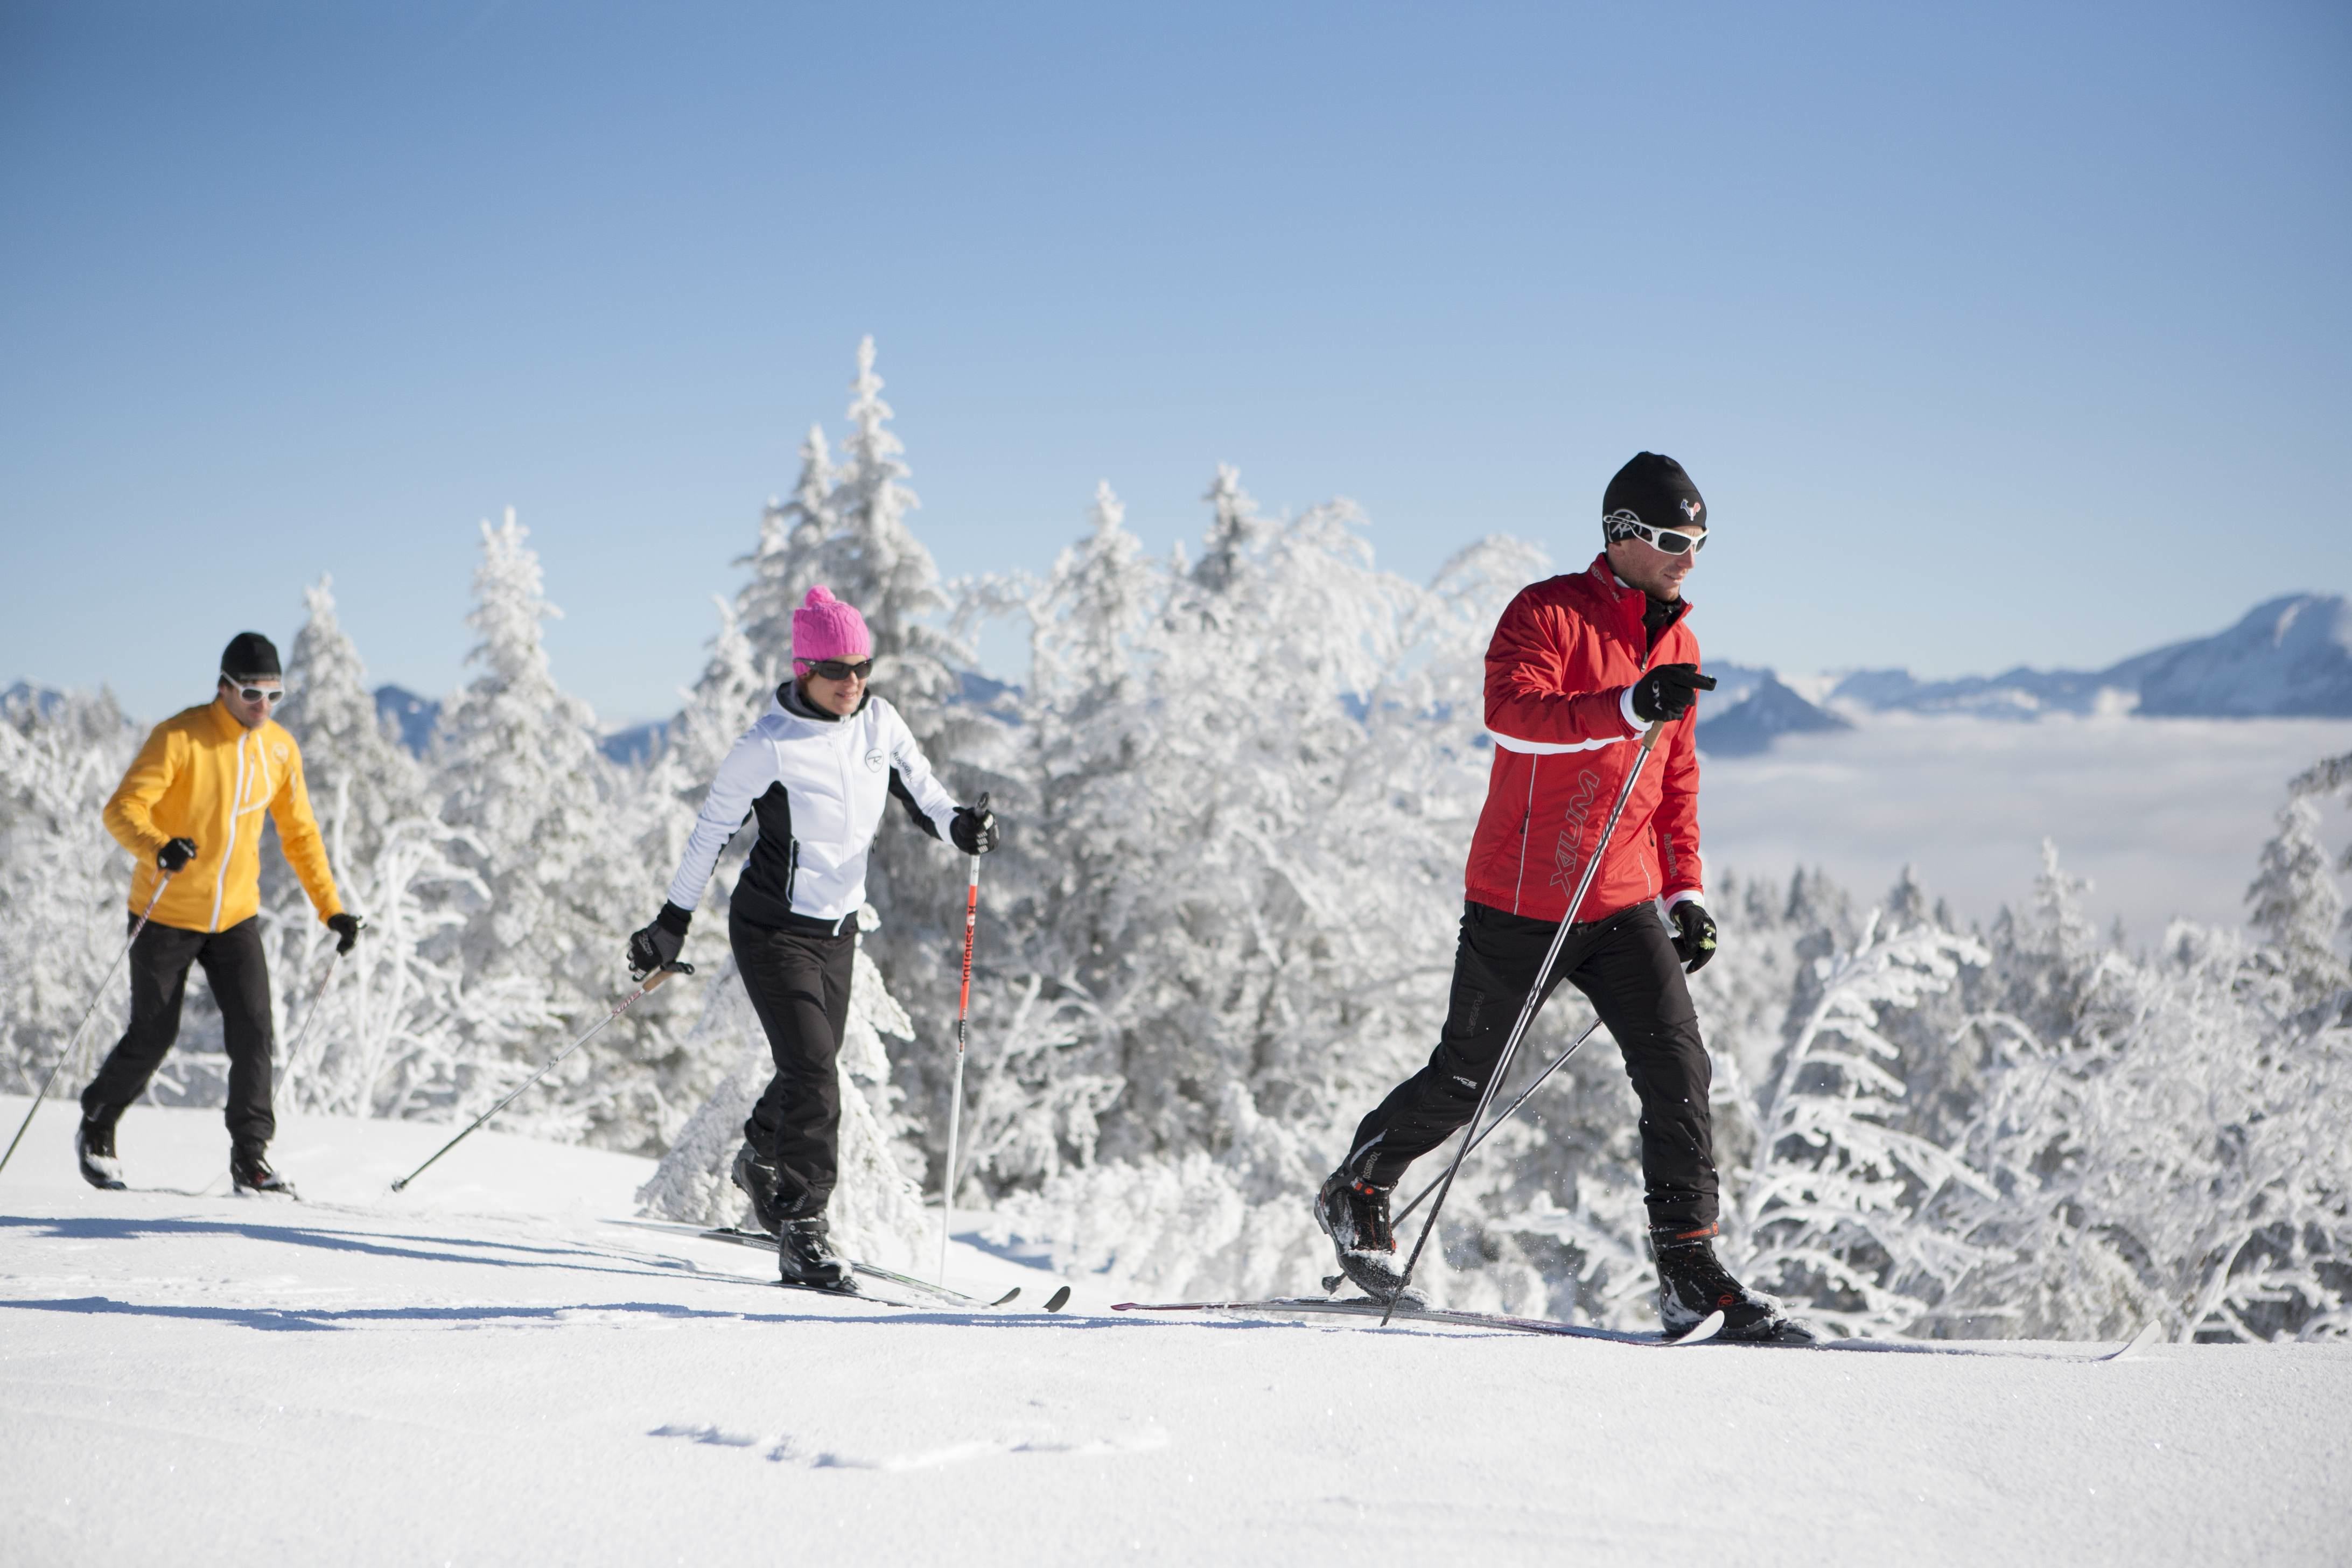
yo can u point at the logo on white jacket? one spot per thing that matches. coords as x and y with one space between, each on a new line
874 762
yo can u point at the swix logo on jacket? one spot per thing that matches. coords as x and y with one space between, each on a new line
1564 658
817 784
203 775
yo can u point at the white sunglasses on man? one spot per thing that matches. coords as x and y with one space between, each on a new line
1623 525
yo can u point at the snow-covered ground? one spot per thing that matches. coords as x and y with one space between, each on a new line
2165 815
502 1366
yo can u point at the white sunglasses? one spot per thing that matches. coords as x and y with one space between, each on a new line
1623 525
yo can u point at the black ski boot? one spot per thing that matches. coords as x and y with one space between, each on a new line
764 1185
1691 1283
94 1149
249 1173
1355 1214
806 1258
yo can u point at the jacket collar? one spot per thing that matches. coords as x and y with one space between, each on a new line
1621 595
787 700
225 724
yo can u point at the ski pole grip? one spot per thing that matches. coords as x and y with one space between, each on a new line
664 973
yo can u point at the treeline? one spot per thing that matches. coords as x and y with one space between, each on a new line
1236 790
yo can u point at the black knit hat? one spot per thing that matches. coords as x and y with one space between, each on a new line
250 656
1654 491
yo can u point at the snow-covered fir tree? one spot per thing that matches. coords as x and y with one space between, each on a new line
63 881
398 1028
552 835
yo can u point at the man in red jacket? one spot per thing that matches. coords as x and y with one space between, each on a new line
1578 668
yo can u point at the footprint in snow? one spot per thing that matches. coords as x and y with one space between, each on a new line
784 1448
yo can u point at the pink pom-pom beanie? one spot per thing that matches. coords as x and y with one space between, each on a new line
824 627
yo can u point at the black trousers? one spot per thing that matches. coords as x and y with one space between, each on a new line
799 983
239 977
1626 966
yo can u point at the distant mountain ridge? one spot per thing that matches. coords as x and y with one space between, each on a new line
2287 657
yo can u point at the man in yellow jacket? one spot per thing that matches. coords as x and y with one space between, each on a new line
190 813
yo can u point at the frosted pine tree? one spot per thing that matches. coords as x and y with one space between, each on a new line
63 881
398 1031
548 835
2296 907
1833 1210
788 561
1279 875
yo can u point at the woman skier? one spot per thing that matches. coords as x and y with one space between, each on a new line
815 770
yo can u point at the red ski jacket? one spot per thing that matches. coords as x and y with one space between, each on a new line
1559 676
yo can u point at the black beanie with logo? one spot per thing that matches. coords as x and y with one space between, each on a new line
1652 489
250 657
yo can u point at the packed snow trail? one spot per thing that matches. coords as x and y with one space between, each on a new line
497 1370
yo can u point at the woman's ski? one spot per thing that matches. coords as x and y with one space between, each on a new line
906 1281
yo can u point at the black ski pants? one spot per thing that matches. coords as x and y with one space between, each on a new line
799 984
1626 964
239 977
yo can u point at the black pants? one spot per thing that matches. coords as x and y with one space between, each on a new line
799 983
1626 966
240 977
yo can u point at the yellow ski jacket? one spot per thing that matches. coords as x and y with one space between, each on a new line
204 776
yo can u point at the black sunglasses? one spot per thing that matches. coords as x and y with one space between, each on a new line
839 668
255 693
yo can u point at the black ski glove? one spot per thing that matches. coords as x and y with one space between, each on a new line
175 854
1694 935
1667 692
973 828
657 945
348 926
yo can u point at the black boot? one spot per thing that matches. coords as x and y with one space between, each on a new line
249 1173
1355 1214
94 1149
806 1258
764 1185
1693 1283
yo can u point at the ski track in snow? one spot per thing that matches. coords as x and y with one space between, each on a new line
493 1368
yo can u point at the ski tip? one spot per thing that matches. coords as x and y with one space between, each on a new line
1058 1300
1008 1295
2147 1336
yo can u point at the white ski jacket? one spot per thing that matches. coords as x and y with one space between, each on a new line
817 784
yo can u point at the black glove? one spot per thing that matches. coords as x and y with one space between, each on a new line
1667 692
348 926
973 828
1694 935
175 854
657 946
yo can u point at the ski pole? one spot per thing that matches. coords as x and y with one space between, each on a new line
67 1054
1557 1063
623 1006
294 1051
1527 1008
955 1096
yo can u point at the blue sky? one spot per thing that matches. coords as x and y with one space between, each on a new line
1993 334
